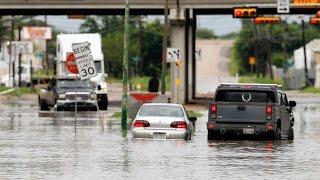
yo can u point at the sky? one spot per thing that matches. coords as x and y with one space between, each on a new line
220 24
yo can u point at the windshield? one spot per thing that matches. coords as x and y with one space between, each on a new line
68 84
245 96
161 110
98 66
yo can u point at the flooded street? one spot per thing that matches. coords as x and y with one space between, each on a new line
44 145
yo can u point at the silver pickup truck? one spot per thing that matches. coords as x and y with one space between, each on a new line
250 110
61 92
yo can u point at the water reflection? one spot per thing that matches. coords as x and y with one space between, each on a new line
43 145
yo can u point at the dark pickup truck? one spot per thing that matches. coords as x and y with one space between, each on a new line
260 110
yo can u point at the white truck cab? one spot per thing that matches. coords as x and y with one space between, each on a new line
64 45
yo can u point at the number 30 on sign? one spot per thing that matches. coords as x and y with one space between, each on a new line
86 67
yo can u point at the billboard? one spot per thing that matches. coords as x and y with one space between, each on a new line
32 33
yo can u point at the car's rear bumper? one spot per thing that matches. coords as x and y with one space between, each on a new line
169 133
241 128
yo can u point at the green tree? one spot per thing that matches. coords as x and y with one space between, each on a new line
204 33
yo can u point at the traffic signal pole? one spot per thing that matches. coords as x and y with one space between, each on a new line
125 68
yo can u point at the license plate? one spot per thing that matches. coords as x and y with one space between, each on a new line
248 131
159 135
79 98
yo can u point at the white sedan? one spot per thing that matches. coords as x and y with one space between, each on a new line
163 121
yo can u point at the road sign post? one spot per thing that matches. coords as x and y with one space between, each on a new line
126 42
81 62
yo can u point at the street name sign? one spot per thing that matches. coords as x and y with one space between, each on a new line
81 49
283 6
86 67
173 55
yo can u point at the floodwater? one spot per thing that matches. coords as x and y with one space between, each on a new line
44 145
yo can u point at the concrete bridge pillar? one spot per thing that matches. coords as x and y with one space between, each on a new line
181 33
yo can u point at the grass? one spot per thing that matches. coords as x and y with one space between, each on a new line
262 80
22 91
311 90
194 114
3 88
142 81
42 74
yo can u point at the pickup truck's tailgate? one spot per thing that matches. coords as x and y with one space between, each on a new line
241 113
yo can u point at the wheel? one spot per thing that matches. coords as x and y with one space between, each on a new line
43 105
103 103
59 108
291 134
277 134
214 135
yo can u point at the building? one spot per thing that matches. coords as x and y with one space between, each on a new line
311 49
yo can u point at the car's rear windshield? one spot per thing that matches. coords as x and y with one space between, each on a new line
161 110
245 96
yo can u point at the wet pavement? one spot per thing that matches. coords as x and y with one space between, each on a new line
44 145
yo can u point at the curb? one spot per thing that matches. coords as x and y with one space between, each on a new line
7 91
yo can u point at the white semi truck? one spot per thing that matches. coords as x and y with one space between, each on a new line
64 45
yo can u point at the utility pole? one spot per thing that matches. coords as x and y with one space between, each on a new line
164 49
12 53
47 57
284 45
125 67
19 60
304 52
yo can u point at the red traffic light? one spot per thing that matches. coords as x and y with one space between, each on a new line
244 12
314 21
267 20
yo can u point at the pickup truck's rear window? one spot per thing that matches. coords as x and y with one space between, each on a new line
245 96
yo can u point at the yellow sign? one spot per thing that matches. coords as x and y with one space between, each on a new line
252 60
305 1
179 63
178 82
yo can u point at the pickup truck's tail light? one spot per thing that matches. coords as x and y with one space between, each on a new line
141 123
179 124
213 110
268 112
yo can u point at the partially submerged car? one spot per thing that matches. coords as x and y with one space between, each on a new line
251 110
62 92
163 121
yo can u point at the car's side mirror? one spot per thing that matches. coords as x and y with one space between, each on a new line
192 119
99 87
292 104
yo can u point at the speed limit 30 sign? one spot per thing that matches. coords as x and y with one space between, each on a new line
86 67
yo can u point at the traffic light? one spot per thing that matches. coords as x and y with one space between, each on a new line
244 12
267 20
314 21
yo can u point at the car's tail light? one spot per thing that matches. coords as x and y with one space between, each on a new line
213 110
141 123
269 112
179 124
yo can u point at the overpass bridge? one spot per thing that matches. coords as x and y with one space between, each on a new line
182 34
